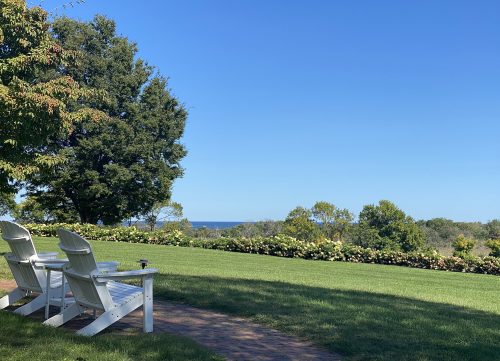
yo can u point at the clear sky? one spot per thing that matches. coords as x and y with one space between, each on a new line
349 102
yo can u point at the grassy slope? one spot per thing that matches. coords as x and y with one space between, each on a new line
363 311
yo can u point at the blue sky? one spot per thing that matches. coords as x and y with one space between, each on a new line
349 102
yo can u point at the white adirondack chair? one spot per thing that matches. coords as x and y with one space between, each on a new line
98 290
27 267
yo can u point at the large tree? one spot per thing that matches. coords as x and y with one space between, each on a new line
35 100
122 167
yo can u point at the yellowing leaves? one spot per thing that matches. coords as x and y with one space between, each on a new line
33 111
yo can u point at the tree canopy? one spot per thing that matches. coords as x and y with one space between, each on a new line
35 99
299 224
335 222
385 226
122 167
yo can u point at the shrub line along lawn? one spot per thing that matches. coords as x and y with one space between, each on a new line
362 311
281 246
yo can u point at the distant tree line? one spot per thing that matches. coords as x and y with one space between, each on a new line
382 226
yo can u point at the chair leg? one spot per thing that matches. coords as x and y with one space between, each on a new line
14 296
63 317
37 303
147 307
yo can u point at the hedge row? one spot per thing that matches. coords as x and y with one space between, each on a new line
281 246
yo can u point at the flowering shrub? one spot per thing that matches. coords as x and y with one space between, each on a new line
281 246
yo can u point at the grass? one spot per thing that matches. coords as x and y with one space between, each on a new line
363 311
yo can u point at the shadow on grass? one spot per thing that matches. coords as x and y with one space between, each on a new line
22 338
359 325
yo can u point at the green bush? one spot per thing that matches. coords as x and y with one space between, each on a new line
386 227
494 245
463 246
281 246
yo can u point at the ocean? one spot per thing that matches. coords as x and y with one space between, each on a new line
215 225
197 224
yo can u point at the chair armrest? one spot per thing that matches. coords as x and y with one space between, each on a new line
126 274
53 264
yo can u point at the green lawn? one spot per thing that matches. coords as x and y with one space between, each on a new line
362 311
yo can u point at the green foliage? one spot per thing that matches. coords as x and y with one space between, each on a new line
35 101
182 225
249 230
324 212
299 224
493 229
494 245
281 246
7 203
463 246
335 222
121 168
31 211
384 226
441 232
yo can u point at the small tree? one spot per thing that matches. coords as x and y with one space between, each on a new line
494 245
299 224
463 246
324 212
343 222
163 211
335 222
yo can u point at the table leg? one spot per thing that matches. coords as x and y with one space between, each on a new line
63 292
